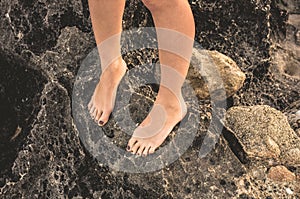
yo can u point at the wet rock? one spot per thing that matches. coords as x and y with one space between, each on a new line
50 161
267 86
281 174
232 78
20 88
192 183
264 132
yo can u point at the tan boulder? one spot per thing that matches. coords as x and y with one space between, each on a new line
213 74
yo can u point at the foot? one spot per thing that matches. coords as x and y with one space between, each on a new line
167 111
102 102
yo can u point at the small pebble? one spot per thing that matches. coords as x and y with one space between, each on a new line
281 174
298 114
289 191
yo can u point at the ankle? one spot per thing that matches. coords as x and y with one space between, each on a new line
168 93
116 66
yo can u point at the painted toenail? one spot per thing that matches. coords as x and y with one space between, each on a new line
128 148
100 123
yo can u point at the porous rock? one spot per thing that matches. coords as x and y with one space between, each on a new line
264 132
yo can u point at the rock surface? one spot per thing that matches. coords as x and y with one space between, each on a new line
231 75
281 174
42 46
264 132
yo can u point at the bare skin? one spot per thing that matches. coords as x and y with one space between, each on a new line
174 15
102 105
170 14
106 19
174 113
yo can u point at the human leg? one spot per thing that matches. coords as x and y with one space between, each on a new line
106 19
169 16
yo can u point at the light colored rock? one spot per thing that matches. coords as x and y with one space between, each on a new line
291 154
294 19
281 174
298 37
273 147
207 82
289 191
286 59
298 114
264 133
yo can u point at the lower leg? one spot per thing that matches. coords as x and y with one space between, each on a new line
173 20
106 17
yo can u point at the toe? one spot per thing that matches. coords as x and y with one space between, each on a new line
98 115
93 113
104 117
141 150
152 149
131 142
135 147
146 151
92 110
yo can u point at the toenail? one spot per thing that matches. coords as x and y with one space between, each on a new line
128 148
100 123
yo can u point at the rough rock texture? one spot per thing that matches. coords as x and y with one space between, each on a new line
257 184
264 132
281 173
231 75
42 45
265 139
287 52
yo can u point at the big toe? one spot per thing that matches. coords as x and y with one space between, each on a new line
130 144
98 115
104 117
135 147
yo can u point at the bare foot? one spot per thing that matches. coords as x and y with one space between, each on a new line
102 102
166 112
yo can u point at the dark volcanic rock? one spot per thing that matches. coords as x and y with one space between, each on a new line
42 46
20 92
